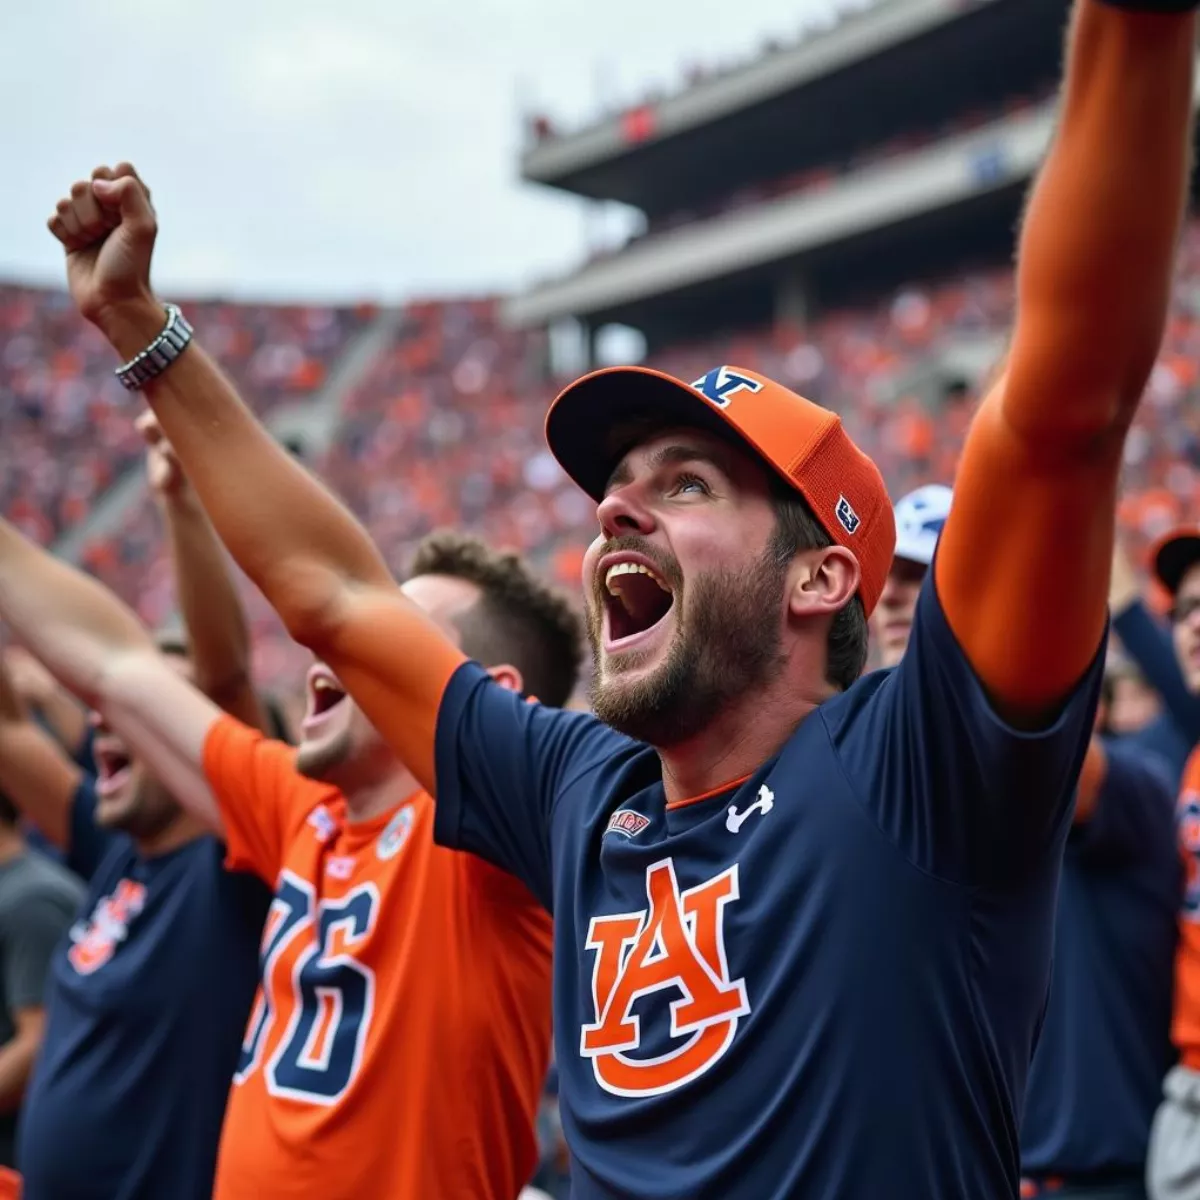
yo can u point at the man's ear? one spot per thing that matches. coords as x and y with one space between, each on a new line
507 676
822 581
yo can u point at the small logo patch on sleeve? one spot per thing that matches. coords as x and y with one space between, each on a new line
627 822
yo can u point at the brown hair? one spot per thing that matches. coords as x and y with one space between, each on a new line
518 619
796 529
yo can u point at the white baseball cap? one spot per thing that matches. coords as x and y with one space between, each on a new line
919 519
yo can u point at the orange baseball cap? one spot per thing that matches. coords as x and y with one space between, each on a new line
801 441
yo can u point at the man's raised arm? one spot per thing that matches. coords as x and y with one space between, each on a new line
36 772
1023 564
98 649
312 560
218 636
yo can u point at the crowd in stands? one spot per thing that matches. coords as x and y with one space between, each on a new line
445 427
64 420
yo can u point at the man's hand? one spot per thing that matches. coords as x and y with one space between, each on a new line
163 471
107 227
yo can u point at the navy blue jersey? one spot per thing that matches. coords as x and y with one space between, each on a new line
825 981
147 1006
1174 732
1097 1075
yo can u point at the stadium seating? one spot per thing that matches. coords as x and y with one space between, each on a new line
64 420
445 427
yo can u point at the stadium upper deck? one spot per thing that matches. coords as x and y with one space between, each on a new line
897 145
900 66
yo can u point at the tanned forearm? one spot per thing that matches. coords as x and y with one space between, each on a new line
1023 566
44 696
35 771
294 540
218 638
67 620
1098 243
315 564
11 708
96 646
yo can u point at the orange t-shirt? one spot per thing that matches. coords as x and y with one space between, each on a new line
1185 1025
401 1032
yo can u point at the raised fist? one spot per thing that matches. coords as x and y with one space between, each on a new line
107 227
163 471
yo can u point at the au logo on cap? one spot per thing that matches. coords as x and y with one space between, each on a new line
723 382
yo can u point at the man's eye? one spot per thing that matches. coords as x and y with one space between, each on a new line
689 483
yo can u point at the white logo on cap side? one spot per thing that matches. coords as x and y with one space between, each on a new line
847 517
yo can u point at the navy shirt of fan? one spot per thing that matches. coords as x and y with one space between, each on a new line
1096 1078
826 981
1173 734
147 1006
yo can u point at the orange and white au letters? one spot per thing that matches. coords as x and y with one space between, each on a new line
676 944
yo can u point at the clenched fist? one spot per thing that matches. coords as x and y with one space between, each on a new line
107 227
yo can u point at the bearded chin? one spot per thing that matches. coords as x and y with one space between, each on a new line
316 760
726 644
662 709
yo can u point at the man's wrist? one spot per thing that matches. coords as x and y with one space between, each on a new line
131 325
180 498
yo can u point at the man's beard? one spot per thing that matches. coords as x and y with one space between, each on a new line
728 644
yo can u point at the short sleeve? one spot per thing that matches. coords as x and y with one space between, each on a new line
259 794
37 925
963 794
1134 814
88 842
502 763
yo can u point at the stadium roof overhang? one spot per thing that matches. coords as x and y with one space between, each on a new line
901 58
948 174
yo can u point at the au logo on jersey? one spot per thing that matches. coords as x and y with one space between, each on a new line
96 940
676 945
722 383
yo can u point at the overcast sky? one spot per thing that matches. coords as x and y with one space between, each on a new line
334 148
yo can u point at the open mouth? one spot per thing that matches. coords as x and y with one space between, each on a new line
113 767
324 695
637 599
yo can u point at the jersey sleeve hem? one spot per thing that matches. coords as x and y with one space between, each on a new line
228 742
448 805
955 661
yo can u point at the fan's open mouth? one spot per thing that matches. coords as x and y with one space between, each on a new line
636 599
325 695
113 766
